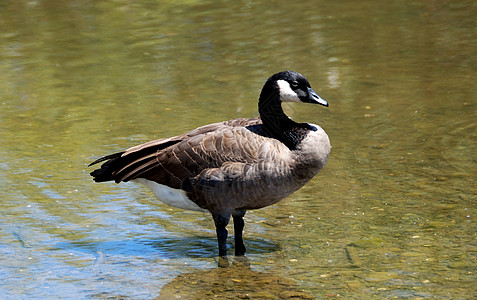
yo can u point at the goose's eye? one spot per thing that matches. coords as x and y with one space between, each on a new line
294 85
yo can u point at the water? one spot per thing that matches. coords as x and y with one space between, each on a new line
392 215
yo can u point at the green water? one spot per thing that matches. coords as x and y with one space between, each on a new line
393 214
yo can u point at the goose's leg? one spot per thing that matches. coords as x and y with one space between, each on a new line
238 228
221 221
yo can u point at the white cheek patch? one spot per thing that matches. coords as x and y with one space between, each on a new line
286 92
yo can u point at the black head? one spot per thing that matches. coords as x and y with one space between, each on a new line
291 86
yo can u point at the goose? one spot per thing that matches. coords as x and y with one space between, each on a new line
230 167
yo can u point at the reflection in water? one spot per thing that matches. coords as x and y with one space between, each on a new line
172 247
237 281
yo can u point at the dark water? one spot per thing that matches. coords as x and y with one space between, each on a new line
393 214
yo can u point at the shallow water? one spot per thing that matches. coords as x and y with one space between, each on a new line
393 214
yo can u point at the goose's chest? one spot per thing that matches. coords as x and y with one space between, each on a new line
313 151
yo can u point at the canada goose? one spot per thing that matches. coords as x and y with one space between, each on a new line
229 167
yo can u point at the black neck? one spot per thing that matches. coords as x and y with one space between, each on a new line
278 125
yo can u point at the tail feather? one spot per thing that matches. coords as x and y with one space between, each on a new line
111 156
105 172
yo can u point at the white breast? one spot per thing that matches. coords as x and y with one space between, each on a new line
170 196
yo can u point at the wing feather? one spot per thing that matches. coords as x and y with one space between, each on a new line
208 155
